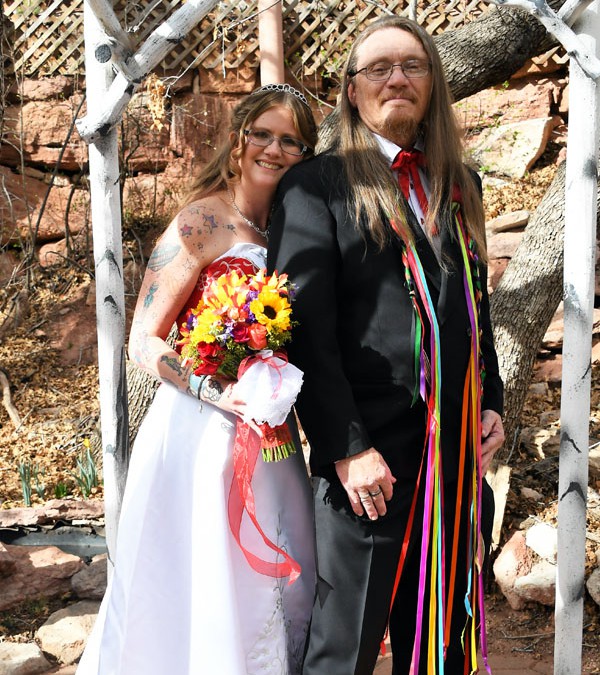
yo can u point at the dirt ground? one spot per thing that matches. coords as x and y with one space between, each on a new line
50 361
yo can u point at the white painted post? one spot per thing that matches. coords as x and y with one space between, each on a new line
270 42
110 296
580 244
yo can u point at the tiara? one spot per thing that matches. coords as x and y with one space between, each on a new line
282 87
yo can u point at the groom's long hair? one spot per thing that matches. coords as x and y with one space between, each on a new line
373 194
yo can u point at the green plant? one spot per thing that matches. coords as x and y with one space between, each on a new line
40 487
60 490
24 469
86 476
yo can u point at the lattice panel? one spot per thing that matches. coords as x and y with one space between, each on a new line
49 35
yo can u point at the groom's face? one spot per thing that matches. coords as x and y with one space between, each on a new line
393 107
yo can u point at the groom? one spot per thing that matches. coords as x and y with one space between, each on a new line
384 237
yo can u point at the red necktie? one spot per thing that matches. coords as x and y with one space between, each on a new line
407 163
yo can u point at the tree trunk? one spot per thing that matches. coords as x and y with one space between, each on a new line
141 387
491 49
110 297
525 300
270 40
581 214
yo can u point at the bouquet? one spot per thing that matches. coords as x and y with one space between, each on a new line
237 330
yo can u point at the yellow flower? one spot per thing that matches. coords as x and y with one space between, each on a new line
206 323
226 295
272 310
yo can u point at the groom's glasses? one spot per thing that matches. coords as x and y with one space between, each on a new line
292 146
380 71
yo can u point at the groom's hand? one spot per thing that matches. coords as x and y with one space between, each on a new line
367 479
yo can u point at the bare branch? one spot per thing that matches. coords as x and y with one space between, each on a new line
109 22
157 46
7 402
572 10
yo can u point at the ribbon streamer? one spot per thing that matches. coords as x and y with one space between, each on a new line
246 448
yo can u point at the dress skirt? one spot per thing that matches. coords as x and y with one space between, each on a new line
182 598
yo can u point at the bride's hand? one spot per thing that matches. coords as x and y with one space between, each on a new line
221 392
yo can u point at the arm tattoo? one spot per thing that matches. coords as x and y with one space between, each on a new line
211 390
185 230
172 363
162 256
150 295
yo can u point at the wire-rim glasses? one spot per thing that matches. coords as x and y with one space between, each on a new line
289 145
381 70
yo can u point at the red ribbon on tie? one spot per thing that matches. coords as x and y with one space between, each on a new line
407 163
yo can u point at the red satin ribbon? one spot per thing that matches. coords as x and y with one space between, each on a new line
241 498
246 448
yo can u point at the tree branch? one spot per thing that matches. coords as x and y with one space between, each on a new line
157 46
559 29
109 22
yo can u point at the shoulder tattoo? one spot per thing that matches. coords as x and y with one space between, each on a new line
209 222
185 230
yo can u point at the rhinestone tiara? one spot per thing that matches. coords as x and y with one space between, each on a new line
282 87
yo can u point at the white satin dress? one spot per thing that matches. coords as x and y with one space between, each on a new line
183 599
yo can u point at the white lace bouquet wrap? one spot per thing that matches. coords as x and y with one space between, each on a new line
269 385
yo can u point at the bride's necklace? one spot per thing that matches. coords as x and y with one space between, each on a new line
263 233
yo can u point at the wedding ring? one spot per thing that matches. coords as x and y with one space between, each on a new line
376 494
364 498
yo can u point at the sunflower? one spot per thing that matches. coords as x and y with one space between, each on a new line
272 310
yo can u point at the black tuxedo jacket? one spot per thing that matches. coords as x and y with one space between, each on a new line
355 338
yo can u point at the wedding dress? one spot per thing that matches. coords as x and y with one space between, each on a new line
183 599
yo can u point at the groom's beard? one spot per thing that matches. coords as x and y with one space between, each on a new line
401 130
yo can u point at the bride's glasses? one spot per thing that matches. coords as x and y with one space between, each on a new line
292 146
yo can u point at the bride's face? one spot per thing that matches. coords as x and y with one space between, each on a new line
271 145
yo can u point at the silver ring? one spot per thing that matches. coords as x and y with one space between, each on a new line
376 494
364 498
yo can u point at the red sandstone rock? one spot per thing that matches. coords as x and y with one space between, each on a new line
41 571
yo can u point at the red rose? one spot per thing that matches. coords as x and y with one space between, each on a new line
258 336
206 368
240 332
211 355
208 350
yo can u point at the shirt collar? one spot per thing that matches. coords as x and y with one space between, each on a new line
387 147
390 149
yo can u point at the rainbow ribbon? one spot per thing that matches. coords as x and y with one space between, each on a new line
432 569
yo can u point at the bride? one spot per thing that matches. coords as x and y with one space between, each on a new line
183 599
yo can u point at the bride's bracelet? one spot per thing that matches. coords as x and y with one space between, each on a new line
195 383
